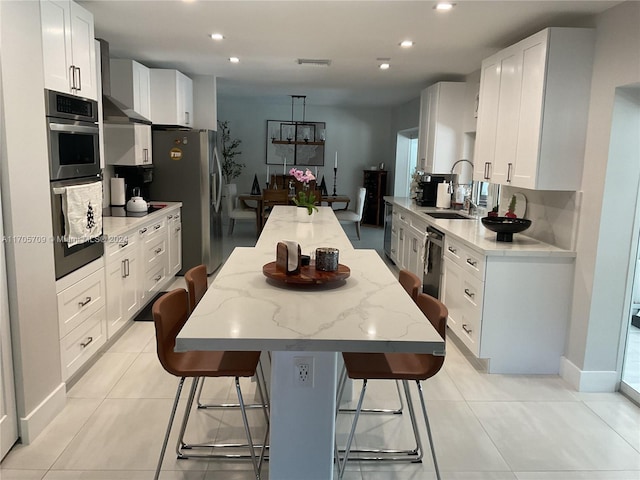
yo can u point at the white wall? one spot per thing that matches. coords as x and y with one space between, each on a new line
361 136
27 212
603 242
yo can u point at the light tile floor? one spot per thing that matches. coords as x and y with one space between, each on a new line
486 427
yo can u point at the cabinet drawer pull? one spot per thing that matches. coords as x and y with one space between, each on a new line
123 268
509 165
86 301
86 344
123 244
186 117
79 87
415 245
401 234
169 217
471 262
178 229
157 279
143 231
156 227
158 250
72 77
466 328
469 293
487 168
126 267
452 250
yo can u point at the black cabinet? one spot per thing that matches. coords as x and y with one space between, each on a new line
375 181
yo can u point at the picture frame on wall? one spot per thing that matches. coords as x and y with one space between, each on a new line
300 143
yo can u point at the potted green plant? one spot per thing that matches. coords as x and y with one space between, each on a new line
229 147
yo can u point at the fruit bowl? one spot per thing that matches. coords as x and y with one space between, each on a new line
505 227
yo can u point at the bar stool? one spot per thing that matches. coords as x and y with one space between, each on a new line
410 282
170 313
197 285
396 366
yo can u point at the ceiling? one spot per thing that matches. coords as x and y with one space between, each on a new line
269 37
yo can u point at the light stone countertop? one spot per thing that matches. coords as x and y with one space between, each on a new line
474 235
244 310
116 226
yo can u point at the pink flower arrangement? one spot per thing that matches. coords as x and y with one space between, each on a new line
305 177
302 200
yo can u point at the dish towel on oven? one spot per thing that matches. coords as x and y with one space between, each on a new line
82 208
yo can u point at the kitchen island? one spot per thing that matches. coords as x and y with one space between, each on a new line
370 312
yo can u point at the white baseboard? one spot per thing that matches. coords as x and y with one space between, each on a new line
32 425
588 381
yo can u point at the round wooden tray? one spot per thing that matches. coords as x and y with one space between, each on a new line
308 275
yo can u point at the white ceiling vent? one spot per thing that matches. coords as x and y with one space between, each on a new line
317 62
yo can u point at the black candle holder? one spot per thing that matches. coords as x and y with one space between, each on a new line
335 175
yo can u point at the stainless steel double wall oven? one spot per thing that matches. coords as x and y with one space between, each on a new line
74 159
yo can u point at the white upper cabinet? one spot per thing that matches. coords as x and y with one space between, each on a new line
171 98
68 48
127 144
130 83
440 137
532 118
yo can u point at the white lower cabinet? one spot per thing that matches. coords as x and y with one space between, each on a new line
408 236
174 224
81 316
123 297
510 310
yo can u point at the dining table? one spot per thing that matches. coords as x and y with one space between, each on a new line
368 311
256 203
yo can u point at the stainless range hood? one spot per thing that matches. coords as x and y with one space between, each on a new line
114 111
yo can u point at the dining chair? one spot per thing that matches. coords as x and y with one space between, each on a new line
197 285
349 216
234 211
170 313
271 198
395 366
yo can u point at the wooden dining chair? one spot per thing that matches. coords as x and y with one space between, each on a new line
271 198
170 313
197 285
395 366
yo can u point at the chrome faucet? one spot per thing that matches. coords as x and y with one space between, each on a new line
459 161
454 186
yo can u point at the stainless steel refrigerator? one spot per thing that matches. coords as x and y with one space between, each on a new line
187 169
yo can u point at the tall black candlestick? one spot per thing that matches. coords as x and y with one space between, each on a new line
335 174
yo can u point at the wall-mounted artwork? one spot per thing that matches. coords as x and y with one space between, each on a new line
300 143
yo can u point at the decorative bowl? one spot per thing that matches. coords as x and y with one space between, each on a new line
505 227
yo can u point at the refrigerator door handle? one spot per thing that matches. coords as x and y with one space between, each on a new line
217 186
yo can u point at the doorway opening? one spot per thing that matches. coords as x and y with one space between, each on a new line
406 161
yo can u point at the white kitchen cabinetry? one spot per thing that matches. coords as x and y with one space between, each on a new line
534 99
127 144
68 48
81 316
171 98
440 136
131 84
510 310
408 250
122 282
174 225
155 266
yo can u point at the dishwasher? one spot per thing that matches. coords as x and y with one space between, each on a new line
433 262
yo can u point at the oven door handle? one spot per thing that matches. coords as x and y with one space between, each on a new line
63 127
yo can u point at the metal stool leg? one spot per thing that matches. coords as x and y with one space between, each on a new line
169 425
226 405
426 421
342 465
394 411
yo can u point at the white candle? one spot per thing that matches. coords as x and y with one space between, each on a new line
335 165
284 166
316 172
267 173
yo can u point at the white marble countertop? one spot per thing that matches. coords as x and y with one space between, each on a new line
115 226
370 312
474 235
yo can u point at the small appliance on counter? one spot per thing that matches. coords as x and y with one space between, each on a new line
137 203
428 186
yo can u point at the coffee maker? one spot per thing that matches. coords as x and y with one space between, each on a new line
139 176
428 188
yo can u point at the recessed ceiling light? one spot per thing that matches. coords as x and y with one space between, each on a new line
234 59
444 6
406 43
217 36
384 66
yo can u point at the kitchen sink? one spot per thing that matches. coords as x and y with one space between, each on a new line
448 215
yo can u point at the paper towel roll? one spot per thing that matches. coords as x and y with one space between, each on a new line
443 199
117 192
